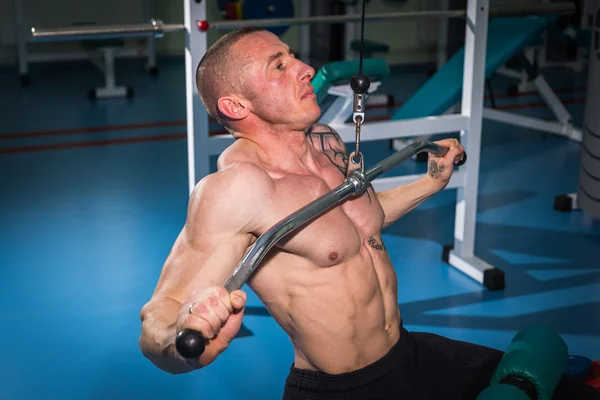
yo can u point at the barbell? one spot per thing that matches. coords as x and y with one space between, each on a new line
157 28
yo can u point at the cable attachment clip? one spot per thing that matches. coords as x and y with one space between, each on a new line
360 84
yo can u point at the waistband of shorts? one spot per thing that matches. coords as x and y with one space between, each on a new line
318 381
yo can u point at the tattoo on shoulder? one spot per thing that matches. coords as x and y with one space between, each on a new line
435 170
375 244
328 141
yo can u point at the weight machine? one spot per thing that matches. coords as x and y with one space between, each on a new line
102 52
201 146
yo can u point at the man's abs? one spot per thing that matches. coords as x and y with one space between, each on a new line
340 318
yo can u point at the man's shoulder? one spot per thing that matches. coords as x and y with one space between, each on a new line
230 197
235 178
324 138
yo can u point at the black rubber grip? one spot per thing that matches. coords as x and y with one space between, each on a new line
190 343
464 159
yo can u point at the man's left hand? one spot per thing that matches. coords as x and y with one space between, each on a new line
440 169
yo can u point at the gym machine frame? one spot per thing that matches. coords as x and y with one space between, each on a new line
468 122
106 65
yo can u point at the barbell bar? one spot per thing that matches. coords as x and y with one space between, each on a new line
157 28
556 9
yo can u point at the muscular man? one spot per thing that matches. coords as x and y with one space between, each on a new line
331 286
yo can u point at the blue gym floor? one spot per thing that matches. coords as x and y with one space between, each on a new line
95 192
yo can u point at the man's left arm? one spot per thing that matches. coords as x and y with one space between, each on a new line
399 201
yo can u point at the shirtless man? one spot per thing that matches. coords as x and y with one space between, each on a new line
331 286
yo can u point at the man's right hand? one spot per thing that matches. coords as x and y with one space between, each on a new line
216 314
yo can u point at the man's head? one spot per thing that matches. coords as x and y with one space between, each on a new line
250 78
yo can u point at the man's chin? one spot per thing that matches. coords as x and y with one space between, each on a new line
314 115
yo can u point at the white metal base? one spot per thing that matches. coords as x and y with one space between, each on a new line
108 92
478 270
107 66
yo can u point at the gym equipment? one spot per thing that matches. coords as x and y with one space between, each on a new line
588 194
579 366
107 51
259 9
594 378
531 367
460 254
507 37
332 19
333 80
587 197
105 63
189 343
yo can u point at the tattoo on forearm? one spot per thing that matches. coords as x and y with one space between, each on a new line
333 149
435 170
375 244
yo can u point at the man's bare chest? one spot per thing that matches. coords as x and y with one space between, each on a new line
335 234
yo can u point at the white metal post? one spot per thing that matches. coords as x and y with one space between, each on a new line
472 108
20 36
462 256
197 117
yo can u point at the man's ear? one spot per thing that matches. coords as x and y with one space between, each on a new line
233 107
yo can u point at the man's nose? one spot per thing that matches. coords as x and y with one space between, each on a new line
306 71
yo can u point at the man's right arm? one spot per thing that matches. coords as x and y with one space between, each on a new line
224 211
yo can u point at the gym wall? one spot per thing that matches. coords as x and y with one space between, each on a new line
410 41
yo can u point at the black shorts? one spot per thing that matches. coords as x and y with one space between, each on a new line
420 366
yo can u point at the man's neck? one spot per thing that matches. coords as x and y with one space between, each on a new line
285 149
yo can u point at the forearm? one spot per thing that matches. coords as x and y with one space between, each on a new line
400 200
157 340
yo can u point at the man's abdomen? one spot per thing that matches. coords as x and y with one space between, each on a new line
339 318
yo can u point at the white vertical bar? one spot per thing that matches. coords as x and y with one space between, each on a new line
20 35
305 32
197 117
472 108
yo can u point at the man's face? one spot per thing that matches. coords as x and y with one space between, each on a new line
278 84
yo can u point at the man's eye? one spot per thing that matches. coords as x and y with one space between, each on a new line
280 66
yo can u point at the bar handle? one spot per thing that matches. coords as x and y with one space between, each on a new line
190 343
